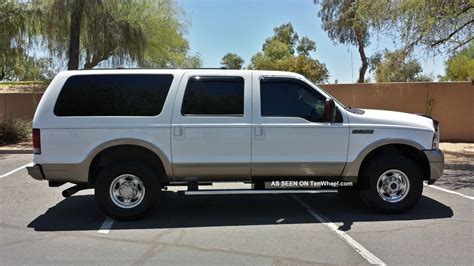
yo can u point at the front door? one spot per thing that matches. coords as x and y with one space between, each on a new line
290 138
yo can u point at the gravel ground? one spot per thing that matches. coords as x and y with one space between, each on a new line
458 174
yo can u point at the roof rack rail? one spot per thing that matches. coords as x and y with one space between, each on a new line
131 68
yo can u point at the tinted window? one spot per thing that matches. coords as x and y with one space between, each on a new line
214 96
289 98
113 95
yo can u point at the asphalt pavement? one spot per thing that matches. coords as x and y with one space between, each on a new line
39 226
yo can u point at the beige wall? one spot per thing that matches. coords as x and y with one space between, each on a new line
452 103
18 105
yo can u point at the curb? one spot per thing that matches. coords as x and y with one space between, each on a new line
18 151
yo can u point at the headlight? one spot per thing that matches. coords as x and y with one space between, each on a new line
436 135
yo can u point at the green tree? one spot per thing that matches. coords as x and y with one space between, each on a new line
147 33
232 61
435 25
346 22
285 51
398 66
15 27
461 65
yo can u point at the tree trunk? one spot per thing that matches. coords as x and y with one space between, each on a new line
75 35
363 57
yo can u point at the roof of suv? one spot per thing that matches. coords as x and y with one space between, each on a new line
209 71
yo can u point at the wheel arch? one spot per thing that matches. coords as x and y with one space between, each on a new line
121 148
409 148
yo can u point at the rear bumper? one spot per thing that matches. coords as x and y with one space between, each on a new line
35 171
436 161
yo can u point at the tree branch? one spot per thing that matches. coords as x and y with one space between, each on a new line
443 40
462 43
96 59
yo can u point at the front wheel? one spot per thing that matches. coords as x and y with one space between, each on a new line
392 184
127 190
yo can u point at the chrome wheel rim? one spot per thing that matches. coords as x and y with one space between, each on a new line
393 186
127 191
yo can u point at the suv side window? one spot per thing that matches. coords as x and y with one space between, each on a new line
113 95
285 97
222 96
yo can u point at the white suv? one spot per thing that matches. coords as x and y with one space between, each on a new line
130 133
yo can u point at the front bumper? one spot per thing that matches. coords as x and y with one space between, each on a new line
436 161
35 171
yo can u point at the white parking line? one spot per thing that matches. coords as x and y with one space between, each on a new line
367 255
106 225
15 170
449 191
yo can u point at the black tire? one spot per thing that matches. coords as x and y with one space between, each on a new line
376 168
150 187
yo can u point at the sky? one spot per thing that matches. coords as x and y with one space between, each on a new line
216 27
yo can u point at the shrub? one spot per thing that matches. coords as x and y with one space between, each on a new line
14 130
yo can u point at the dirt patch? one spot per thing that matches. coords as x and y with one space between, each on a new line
457 154
458 174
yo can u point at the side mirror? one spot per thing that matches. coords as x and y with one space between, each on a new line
329 110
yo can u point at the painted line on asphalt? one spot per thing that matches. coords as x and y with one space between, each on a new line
450 191
15 170
367 255
106 225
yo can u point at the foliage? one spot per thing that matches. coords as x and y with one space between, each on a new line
14 130
111 33
19 66
397 66
461 65
433 24
232 61
346 22
15 27
285 51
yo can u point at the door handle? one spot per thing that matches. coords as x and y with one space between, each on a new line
178 131
258 131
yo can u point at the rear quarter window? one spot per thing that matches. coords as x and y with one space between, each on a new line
113 95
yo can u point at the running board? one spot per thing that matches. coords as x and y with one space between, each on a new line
253 191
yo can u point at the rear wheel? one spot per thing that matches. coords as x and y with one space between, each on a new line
392 183
127 190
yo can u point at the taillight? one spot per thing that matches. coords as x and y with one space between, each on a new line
36 141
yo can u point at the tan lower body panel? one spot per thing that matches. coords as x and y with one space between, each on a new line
74 173
212 172
242 171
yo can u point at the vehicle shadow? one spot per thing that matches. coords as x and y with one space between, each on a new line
175 211
349 210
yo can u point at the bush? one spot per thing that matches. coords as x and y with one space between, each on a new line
14 130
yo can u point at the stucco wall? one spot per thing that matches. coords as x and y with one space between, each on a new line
451 103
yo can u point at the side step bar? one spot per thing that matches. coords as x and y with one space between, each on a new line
253 191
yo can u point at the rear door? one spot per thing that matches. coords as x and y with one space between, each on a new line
289 137
211 127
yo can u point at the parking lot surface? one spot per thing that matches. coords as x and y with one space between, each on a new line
39 226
